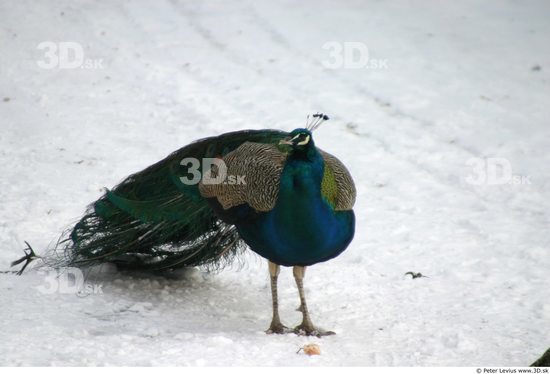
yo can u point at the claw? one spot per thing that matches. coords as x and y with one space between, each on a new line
278 328
310 330
28 258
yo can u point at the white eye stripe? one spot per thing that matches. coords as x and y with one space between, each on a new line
305 141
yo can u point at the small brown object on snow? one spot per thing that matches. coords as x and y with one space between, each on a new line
310 349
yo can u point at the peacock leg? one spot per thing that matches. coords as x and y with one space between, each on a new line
306 327
276 326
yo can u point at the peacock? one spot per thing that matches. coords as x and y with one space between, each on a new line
271 191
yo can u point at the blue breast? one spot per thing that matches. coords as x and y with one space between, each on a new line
303 228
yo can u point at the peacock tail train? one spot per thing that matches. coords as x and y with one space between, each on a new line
154 221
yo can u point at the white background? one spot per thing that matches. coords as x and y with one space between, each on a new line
461 82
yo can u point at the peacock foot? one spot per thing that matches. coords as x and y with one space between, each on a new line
309 329
278 328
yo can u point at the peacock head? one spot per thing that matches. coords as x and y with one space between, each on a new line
301 139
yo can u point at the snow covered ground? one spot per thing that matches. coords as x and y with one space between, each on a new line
453 81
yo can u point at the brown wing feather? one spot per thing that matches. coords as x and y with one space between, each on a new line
346 193
261 166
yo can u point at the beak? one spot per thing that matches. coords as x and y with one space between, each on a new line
286 141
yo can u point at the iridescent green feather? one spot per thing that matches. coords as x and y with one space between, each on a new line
153 221
329 187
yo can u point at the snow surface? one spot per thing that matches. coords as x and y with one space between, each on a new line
463 79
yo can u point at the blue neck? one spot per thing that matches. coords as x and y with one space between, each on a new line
302 229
